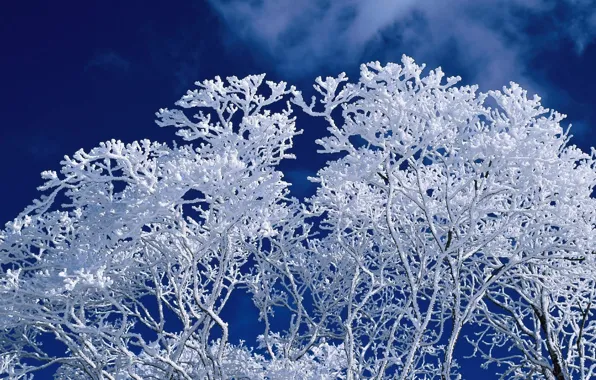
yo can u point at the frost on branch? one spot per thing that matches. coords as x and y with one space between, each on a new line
148 237
445 221
438 202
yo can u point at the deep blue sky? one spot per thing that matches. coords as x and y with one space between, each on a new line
74 73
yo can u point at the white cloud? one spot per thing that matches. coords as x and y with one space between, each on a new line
302 35
487 39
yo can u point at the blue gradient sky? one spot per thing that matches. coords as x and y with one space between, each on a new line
77 73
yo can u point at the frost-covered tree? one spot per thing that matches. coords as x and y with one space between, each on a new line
132 271
448 214
438 199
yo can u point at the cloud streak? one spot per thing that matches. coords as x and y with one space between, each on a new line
109 60
489 41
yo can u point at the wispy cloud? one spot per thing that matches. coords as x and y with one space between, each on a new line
108 60
41 146
302 35
175 55
490 41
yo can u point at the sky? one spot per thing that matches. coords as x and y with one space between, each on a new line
74 73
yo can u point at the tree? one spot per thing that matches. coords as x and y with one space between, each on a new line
443 217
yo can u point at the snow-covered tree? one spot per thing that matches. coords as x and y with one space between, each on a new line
449 213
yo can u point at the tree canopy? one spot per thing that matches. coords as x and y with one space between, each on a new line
445 217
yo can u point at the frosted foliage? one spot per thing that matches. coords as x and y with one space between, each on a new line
447 218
